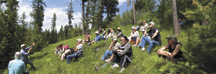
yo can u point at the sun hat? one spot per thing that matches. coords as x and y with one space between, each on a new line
79 40
97 32
119 28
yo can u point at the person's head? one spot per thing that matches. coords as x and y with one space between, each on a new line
87 33
124 40
66 46
179 20
144 22
133 29
119 29
172 39
108 31
58 47
79 41
140 23
115 40
143 30
23 46
17 55
151 25
97 33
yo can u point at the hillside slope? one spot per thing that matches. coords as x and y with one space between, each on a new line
142 63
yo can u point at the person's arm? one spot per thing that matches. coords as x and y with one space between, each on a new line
176 50
110 47
155 34
29 47
162 51
126 49
29 50
145 33
110 59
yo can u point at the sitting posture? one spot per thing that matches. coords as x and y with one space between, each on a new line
134 38
108 35
144 25
78 51
119 33
174 52
152 36
122 54
59 50
113 45
87 38
17 66
67 52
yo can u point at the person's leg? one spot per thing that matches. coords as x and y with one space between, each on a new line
144 40
107 52
151 45
69 57
30 63
137 41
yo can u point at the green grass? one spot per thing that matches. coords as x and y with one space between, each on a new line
142 63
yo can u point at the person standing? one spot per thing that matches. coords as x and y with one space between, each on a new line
17 66
25 54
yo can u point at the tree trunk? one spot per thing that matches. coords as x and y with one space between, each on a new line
83 11
134 12
175 19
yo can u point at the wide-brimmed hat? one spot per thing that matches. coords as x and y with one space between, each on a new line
79 40
173 38
118 28
134 28
142 29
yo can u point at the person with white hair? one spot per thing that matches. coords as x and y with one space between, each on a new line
78 51
152 36
17 66
25 54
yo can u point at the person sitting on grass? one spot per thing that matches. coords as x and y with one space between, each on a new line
122 54
108 35
111 30
25 55
134 38
17 66
174 53
67 52
152 36
114 44
119 33
144 25
58 50
87 38
78 51
97 38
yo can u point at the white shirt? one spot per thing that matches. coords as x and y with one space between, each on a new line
80 47
135 34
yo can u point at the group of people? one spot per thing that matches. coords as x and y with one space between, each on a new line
120 53
19 64
64 52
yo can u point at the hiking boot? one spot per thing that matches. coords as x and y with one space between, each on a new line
122 69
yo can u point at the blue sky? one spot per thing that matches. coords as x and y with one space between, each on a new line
59 7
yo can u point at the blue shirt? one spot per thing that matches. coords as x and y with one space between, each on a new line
25 54
97 38
16 66
181 23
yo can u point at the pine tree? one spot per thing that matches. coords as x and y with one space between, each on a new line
38 17
70 13
111 8
10 42
53 31
23 26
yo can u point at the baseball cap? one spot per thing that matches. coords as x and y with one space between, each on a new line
114 39
97 32
66 46
172 37
22 45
